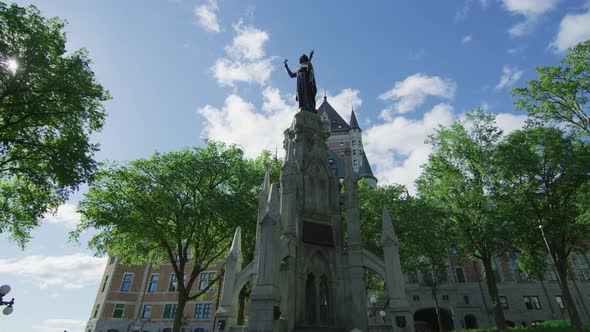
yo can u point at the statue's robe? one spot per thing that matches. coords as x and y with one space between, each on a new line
306 88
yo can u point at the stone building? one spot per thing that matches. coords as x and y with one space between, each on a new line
143 298
345 136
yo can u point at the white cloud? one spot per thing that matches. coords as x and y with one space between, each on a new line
509 77
66 215
413 90
207 15
239 122
60 325
485 106
228 72
573 29
245 62
509 122
466 39
70 271
396 148
248 43
463 11
532 10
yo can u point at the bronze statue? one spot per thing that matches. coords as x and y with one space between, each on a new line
306 88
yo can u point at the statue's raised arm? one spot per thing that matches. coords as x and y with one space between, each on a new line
306 86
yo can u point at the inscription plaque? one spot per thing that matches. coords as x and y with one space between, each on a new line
320 234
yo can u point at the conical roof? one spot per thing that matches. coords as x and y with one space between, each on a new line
337 123
354 124
365 169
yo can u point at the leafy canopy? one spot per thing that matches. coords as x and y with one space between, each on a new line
50 104
560 93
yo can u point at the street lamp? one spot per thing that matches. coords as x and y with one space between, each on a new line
374 307
3 291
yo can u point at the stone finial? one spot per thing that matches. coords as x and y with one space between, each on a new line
235 252
388 235
272 207
266 184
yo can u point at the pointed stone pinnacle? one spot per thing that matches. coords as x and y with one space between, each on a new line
388 235
235 252
272 212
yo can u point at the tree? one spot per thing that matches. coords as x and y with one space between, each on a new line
425 241
170 207
50 104
546 173
458 179
560 93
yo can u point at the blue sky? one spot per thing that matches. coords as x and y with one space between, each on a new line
180 71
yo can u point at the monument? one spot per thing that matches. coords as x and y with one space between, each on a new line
308 273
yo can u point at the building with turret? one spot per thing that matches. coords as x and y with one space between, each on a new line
345 136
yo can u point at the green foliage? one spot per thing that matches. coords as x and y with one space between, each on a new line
560 93
459 179
371 204
425 240
49 106
186 202
545 172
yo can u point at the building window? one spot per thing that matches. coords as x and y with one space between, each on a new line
153 283
188 258
202 310
112 260
560 302
199 311
532 302
104 284
354 162
173 283
460 274
341 144
126 284
466 299
204 279
168 329
354 152
207 311
170 310
416 298
96 310
147 310
445 297
341 154
504 303
353 143
119 309
199 329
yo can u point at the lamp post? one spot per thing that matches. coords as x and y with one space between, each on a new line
374 307
554 263
3 291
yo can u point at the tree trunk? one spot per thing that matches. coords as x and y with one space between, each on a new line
436 308
179 312
570 305
493 290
